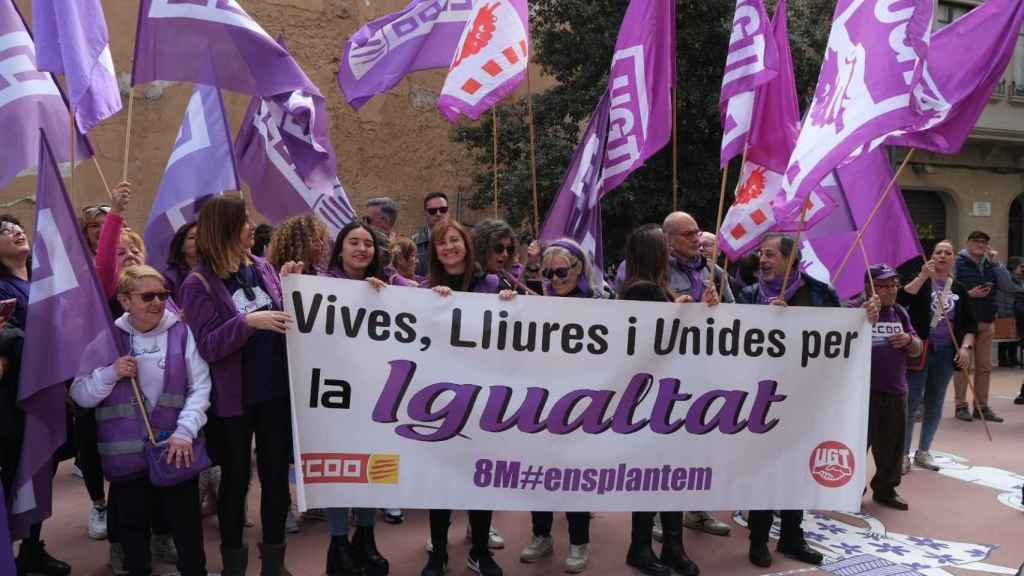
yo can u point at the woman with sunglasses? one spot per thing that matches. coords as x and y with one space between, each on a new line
494 244
233 303
567 273
646 279
175 381
15 267
356 256
453 268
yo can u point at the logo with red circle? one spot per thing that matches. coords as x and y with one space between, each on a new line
832 464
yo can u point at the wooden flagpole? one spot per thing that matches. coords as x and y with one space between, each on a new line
494 146
533 152
675 151
128 134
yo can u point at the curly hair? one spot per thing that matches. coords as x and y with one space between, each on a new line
294 240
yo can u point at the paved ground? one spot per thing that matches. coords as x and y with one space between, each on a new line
967 519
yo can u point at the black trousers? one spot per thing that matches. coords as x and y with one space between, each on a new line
479 524
579 526
887 425
760 524
230 440
88 459
135 498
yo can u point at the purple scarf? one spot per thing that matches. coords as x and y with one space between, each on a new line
769 289
694 270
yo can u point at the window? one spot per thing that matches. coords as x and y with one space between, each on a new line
947 13
1018 68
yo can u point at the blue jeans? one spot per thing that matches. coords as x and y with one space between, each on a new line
930 385
337 519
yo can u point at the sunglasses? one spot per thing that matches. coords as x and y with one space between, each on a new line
436 211
504 249
9 229
550 273
95 211
148 297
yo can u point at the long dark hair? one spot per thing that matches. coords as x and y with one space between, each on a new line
438 275
375 268
646 257
176 256
487 235
4 270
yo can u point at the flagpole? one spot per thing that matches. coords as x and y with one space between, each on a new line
871 216
103 178
721 202
533 151
128 134
494 147
675 152
71 175
867 267
792 253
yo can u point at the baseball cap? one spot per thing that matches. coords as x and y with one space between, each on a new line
978 235
881 272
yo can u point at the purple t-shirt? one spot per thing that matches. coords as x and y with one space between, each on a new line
888 364
940 333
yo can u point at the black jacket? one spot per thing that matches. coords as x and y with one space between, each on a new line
822 295
920 307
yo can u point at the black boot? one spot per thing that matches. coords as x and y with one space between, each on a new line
340 561
437 564
673 554
1020 397
235 560
34 559
272 560
640 555
365 553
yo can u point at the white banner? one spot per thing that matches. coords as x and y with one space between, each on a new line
402 398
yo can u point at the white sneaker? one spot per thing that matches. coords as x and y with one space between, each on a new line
923 459
98 522
905 468
578 558
429 546
538 548
656 531
77 472
494 539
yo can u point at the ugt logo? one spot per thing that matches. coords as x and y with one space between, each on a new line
832 464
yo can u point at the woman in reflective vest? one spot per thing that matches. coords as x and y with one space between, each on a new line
175 383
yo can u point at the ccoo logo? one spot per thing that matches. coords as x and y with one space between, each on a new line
832 464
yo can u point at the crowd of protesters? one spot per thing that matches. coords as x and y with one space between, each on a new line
206 331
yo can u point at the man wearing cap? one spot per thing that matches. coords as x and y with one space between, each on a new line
977 273
893 341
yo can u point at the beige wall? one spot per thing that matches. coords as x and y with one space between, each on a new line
397 145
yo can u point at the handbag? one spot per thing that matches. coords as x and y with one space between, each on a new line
161 472
918 364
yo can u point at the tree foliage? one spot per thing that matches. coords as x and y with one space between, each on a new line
573 43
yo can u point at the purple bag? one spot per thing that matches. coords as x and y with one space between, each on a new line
163 473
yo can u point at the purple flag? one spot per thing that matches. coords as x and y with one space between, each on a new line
873 62
72 40
6 558
576 212
268 160
632 121
213 43
67 312
423 35
891 237
201 165
490 60
965 62
752 60
30 101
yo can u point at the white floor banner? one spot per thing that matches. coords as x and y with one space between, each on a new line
403 398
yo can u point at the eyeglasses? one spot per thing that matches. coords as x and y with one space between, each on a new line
436 211
688 234
8 229
95 211
550 273
504 249
148 297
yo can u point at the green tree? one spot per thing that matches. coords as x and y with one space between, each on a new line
573 43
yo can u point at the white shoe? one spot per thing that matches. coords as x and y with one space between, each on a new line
905 468
429 546
494 539
291 523
98 522
578 558
923 459
538 548
77 472
656 531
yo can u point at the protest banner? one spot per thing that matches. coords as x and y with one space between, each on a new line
403 398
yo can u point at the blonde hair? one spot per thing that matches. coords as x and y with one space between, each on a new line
130 276
293 241
136 240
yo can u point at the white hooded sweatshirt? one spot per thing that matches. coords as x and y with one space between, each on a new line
149 350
